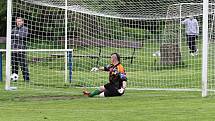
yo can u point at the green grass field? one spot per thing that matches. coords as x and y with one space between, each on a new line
60 102
70 105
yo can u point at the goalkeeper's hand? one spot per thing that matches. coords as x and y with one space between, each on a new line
94 69
122 90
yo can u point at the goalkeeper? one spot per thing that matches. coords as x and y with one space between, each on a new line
117 79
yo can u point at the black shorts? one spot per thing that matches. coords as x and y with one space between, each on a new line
111 90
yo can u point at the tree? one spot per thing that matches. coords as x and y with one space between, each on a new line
3 18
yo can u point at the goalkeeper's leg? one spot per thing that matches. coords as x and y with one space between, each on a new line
95 92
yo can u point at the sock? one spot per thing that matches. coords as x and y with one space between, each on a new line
96 92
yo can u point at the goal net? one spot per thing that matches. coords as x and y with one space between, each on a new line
148 35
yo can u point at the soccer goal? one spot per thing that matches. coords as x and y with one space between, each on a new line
66 39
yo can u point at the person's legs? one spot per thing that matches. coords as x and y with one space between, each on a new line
24 66
95 92
15 62
108 90
111 91
189 42
193 42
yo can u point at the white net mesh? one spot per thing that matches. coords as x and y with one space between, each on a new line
211 50
148 35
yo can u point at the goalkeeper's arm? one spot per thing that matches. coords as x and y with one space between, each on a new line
101 68
124 84
98 68
105 68
122 89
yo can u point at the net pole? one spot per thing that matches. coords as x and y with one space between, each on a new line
212 23
70 65
66 22
8 46
0 66
180 27
205 48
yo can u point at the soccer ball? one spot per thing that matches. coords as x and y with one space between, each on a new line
14 77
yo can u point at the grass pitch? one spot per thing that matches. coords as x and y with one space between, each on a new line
70 105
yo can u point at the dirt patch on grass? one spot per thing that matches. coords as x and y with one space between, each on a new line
47 98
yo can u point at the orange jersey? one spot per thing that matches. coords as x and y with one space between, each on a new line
116 74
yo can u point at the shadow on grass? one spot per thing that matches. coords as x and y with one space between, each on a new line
47 97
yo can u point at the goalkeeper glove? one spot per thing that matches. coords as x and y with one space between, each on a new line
121 90
94 69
